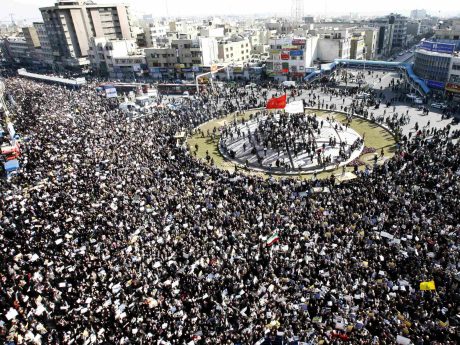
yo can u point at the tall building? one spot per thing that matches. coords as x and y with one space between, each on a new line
358 46
384 41
371 36
399 34
45 53
418 14
433 61
71 23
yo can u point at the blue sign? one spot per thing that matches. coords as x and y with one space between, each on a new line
438 47
435 84
296 53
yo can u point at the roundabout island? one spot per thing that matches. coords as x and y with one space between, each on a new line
273 143
289 143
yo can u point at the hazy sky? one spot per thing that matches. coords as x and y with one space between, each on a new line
28 9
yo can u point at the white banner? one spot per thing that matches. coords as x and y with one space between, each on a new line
294 107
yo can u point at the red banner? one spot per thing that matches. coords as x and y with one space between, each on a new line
277 103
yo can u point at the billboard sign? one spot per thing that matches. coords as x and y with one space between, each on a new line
435 84
284 56
298 42
437 47
453 87
296 52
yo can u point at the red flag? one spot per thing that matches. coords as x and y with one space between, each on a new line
277 103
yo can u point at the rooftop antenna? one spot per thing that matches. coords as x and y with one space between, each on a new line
297 11
12 19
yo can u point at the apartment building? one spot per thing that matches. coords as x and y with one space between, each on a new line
182 57
45 52
116 59
234 49
358 46
71 24
291 57
17 50
333 43
371 37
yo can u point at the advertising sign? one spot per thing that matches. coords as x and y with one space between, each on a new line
435 84
296 52
438 47
298 42
453 87
284 56
275 51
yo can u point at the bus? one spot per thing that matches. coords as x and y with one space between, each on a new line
126 87
179 89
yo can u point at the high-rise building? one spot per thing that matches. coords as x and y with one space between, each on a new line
418 14
45 53
399 37
71 23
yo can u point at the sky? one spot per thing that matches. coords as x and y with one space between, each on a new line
28 9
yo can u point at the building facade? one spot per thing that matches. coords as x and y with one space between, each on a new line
371 39
17 50
433 63
45 53
358 46
116 59
399 33
71 24
291 57
235 49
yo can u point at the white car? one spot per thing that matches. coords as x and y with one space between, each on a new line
440 106
418 101
362 95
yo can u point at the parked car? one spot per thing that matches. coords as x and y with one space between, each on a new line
418 101
441 106
362 95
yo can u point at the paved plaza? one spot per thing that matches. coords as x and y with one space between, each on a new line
330 140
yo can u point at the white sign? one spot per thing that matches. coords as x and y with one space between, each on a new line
111 93
294 107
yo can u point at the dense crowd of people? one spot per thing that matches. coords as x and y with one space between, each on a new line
114 234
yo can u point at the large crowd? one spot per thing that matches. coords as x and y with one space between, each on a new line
112 233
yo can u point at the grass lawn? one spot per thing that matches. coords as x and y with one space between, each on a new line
374 136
